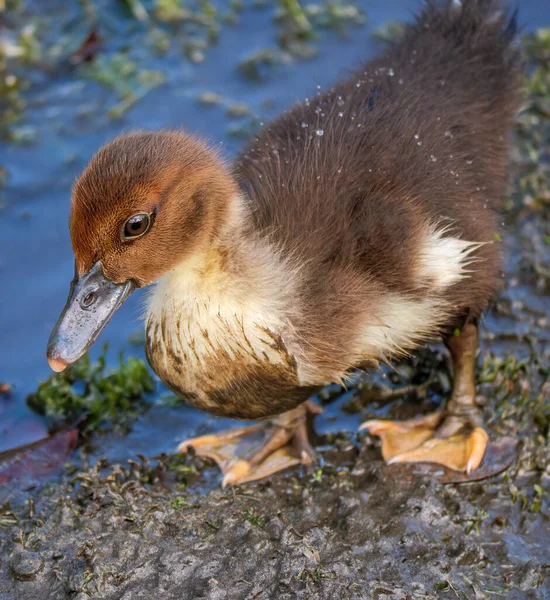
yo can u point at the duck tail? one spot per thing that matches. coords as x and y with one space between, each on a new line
473 43
477 25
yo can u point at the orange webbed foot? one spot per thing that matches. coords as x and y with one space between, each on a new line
467 454
252 453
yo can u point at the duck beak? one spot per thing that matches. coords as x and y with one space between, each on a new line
93 300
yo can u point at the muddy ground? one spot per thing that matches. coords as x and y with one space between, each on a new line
122 518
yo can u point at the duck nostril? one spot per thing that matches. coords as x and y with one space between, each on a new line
88 300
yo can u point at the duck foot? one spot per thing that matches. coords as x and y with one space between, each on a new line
455 437
251 453
424 440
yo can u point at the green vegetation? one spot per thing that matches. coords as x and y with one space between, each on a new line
179 503
121 74
256 65
20 51
536 49
254 519
534 125
11 102
34 44
474 524
498 369
101 398
181 469
389 32
299 24
8 518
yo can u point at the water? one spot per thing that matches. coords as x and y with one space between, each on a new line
71 122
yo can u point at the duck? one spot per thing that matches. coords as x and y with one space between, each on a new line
354 228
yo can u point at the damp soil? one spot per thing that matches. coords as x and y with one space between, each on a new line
109 512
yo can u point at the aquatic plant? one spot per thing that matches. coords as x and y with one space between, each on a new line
98 397
534 125
122 75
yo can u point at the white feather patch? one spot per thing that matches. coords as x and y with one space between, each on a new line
211 315
444 261
401 324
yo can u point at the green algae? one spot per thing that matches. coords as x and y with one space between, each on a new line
298 32
90 393
11 100
300 22
121 74
390 31
46 46
534 124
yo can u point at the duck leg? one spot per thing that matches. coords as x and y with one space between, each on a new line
455 437
276 445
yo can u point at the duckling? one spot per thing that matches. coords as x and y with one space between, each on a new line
354 227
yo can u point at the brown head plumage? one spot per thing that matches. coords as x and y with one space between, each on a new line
174 187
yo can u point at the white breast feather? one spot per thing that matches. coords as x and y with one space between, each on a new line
210 319
220 316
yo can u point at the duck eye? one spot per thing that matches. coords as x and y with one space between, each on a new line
136 226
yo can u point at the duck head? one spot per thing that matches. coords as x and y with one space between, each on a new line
144 203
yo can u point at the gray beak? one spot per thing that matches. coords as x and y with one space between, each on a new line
93 300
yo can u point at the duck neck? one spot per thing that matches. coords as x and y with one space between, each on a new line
239 269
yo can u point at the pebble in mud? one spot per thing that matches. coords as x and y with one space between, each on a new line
25 565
